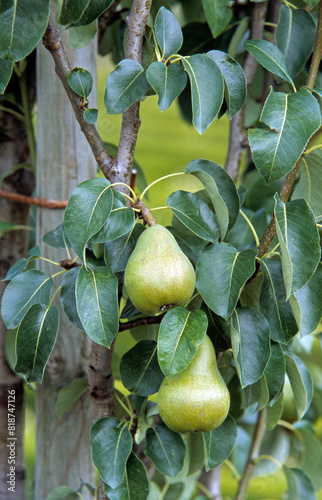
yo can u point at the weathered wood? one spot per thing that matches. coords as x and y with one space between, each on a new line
64 160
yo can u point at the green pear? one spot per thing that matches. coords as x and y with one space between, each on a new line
158 274
196 399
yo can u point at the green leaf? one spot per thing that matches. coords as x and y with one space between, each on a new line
80 81
166 449
36 338
181 332
21 264
234 79
63 493
295 36
241 236
125 85
68 297
307 304
273 303
298 237
287 123
119 223
90 115
26 289
311 3
271 57
274 413
57 238
97 305
111 448
301 383
69 394
82 12
275 372
206 92
299 485
308 187
5 74
251 344
221 273
135 484
139 368
218 15
21 27
117 252
195 214
221 190
81 36
87 211
167 81
168 32
5 227
219 443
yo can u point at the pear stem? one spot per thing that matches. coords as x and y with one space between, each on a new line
254 453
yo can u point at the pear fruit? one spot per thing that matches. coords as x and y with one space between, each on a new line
158 274
196 399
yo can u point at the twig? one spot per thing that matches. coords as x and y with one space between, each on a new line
53 42
254 453
145 213
29 200
151 320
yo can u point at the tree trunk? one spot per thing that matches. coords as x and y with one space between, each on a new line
13 150
64 160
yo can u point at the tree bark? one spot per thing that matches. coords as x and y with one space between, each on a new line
14 149
64 159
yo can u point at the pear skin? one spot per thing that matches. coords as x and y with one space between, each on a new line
158 275
196 399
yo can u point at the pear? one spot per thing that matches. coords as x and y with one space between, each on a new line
196 399
158 275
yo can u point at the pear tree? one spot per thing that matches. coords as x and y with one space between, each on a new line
225 303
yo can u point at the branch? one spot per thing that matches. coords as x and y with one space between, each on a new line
29 200
151 320
254 453
53 43
237 139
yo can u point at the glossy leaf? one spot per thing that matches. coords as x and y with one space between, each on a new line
168 32
80 81
308 187
307 304
269 56
275 372
119 223
57 238
117 252
219 443
234 79
90 115
195 214
167 81
181 332
221 190
295 36
69 394
21 27
299 485
139 368
82 12
206 92
6 68
125 85
287 123
135 484
301 383
68 297
166 449
111 448
97 305
87 211
21 264
273 303
298 237
36 338
26 289
250 343
218 15
221 273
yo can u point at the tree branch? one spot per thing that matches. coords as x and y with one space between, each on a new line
151 320
30 200
237 139
53 43
254 453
